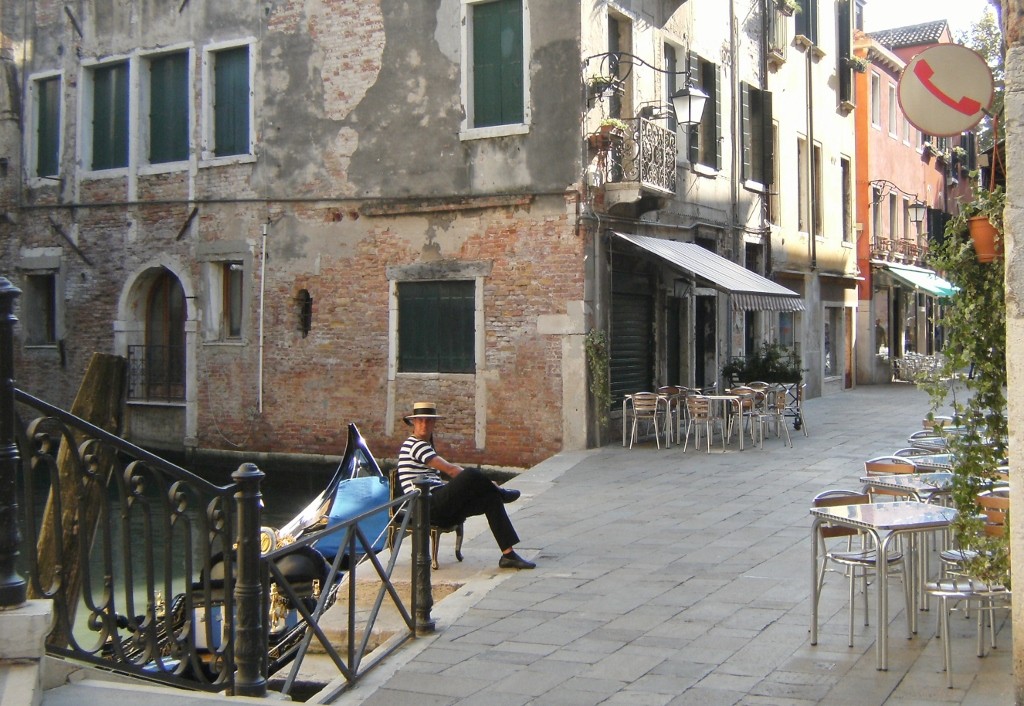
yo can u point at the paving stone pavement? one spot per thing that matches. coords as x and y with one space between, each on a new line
666 577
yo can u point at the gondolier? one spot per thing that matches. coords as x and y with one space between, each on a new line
466 493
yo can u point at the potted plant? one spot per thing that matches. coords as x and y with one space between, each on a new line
771 363
603 86
789 7
982 219
857 63
609 130
974 322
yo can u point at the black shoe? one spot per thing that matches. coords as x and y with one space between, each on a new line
514 561
508 495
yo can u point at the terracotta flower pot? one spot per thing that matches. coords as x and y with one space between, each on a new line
988 244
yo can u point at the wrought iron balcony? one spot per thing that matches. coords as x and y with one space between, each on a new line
644 156
906 251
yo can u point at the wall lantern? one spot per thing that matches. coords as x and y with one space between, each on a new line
918 212
689 105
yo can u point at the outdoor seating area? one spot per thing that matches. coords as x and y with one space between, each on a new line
895 525
706 417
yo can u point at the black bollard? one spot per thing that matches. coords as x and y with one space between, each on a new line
13 588
250 638
422 597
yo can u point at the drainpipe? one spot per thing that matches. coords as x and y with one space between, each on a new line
737 167
263 289
811 182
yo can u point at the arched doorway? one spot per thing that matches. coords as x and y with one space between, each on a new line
164 377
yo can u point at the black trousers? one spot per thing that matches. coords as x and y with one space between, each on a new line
468 494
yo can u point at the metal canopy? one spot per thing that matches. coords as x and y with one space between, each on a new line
917 278
749 291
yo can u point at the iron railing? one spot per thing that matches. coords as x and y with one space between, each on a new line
156 372
647 155
158 573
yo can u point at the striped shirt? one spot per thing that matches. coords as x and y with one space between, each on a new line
412 463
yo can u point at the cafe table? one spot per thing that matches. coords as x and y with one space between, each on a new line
924 487
885 522
932 462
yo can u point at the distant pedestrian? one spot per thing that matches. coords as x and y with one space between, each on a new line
467 493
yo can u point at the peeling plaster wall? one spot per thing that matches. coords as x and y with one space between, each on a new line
359 166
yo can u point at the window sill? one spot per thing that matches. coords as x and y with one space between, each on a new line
155 403
483 133
751 185
211 161
163 168
704 170
96 175
226 342
436 376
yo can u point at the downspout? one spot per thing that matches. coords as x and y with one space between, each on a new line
811 181
766 139
737 167
263 289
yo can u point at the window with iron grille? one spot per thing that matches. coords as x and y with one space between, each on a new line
436 327
168 108
497 69
110 116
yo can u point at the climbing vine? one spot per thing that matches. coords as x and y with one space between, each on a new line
596 344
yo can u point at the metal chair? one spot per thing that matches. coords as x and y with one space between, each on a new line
674 395
966 589
647 407
857 562
774 411
698 412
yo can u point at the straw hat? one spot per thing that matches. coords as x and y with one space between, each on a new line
422 410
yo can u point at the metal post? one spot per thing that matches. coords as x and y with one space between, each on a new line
12 586
422 598
250 638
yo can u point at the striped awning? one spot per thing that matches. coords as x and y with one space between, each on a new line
748 290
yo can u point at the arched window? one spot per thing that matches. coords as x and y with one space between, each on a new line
165 339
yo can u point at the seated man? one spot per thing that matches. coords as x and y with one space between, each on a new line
468 492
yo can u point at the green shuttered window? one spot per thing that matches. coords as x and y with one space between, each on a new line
48 127
231 102
110 116
436 327
168 108
497 63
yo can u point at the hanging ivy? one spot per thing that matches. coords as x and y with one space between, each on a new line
973 382
596 344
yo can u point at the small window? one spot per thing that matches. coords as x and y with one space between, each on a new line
807 20
436 327
110 116
894 126
232 299
705 143
847 191
39 309
819 192
231 102
47 124
497 70
168 108
876 100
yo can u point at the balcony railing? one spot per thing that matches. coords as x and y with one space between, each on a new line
646 155
907 251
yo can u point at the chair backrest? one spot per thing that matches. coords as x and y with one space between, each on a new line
995 504
748 395
888 465
645 403
758 385
670 390
834 498
910 452
698 406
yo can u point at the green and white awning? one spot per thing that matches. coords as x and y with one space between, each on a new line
917 278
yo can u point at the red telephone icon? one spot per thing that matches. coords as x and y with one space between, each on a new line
967 106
